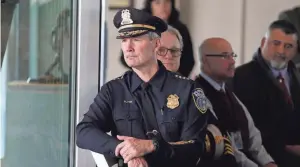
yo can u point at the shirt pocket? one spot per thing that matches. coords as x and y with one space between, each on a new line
128 122
172 123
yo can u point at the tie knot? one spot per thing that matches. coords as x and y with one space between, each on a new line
280 78
145 86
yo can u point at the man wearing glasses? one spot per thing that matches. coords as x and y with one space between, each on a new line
228 113
169 53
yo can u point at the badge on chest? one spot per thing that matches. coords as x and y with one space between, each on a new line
172 101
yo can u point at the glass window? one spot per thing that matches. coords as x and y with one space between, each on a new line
35 112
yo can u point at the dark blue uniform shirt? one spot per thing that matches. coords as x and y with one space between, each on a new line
180 115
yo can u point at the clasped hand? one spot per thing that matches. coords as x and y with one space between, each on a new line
132 148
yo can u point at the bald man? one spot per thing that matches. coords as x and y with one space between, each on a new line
228 113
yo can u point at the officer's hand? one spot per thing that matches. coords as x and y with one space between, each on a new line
133 148
137 162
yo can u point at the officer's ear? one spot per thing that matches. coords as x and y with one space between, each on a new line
157 43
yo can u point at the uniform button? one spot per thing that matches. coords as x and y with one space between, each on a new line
128 116
173 118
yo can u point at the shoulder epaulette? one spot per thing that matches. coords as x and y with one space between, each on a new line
120 77
181 77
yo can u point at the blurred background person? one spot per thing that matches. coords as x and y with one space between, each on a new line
293 15
269 86
169 52
165 9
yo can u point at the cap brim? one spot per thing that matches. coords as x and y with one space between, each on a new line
131 34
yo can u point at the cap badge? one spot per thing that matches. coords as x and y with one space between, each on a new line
173 101
126 17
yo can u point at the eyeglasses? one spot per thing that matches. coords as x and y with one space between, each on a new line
226 56
175 52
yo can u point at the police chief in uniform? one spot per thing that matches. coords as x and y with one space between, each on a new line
155 116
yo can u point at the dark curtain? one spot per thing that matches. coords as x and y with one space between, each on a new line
7 10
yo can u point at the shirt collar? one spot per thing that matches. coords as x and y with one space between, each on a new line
157 80
213 83
283 72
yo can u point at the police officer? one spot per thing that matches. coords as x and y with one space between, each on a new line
156 117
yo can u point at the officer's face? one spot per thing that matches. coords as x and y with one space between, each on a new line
219 61
161 8
169 52
139 51
278 48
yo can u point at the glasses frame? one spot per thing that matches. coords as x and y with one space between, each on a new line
171 51
224 56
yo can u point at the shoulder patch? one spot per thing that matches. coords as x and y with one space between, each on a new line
182 77
200 100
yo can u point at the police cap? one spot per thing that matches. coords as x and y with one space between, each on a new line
132 22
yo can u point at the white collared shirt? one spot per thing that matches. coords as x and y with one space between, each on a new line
213 83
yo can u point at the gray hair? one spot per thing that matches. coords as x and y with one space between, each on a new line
175 32
153 35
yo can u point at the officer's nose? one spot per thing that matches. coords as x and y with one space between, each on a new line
128 45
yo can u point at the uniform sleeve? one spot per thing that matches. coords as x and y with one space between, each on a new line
257 150
92 130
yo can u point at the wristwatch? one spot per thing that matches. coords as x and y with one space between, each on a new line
155 144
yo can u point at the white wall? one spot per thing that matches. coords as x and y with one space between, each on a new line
242 22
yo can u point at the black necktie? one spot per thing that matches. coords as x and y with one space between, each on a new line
148 109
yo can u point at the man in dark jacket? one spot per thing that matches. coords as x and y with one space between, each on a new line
165 9
269 86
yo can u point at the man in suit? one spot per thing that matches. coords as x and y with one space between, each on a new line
269 86
228 113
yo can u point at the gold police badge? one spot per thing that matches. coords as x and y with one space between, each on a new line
173 101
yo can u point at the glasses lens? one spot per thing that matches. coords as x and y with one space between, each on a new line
162 51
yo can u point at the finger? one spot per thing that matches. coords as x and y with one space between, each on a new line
123 137
130 154
128 157
118 148
124 150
